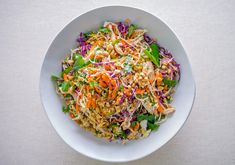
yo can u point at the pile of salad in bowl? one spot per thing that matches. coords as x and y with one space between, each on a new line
118 82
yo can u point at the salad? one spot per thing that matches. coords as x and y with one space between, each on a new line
118 82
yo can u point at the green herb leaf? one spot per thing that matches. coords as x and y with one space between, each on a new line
151 57
82 82
152 126
76 56
65 109
65 86
54 78
93 83
88 34
98 132
104 30
114 125
155 52
150 118
97 48
168 100
168 82
131 29
122 134
121 88
79 62
134 123
116 41
68 96
67 70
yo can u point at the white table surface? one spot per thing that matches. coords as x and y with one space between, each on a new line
206 29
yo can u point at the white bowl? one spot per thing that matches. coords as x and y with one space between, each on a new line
84 142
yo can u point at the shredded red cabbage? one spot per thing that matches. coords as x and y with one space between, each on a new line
147 39
122 28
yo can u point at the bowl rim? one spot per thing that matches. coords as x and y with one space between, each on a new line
150 152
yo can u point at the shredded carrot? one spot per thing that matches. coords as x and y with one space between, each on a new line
100 43
110 87
93 103
123 42
139 91
127 92
97 90
102 84
92 56
88 104
71 115
109 94
65 77
158 75
87 87
113 82
159 78
106 66
90 79
114 94
151 81
160 109
105 78
118 100
137 126
77 108
99 57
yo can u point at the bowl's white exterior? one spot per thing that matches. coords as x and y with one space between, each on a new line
83 141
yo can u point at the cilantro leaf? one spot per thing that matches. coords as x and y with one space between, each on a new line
54 78
65 109
150 56
155 52
65 86
168 82
149 118
131 29
104 30
152 126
